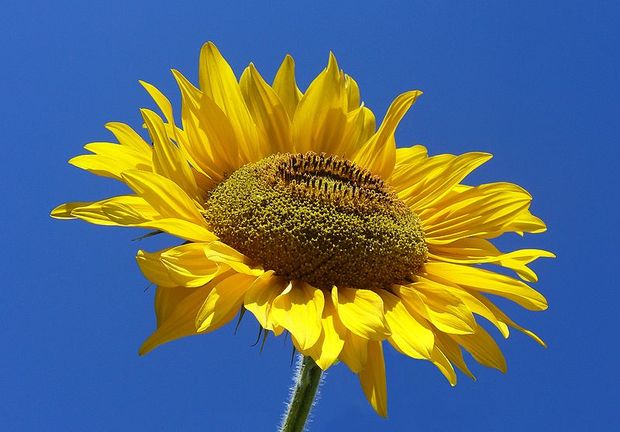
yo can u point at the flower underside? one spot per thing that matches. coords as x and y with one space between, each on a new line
317 218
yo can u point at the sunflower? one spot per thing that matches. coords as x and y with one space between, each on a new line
295 207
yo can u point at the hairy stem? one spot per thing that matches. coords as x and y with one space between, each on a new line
307 382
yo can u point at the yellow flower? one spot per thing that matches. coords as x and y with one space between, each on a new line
297 208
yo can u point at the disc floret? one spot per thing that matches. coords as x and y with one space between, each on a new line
317 218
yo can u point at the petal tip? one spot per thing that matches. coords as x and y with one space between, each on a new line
332 63
210 46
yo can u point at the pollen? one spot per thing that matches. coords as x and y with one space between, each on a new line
317 218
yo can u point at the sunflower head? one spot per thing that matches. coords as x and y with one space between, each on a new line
296 207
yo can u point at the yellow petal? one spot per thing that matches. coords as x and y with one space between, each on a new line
185 265
354 352
134 211
407 175
483 211
443 309
110 160
369 128
139 158
435 183
223 302
329 346
452 351
167 300
165 196
379 153
63 211
355 133
260 296
218 82
285 86
222 253
126 136
501 316
353 93
372 378
162 101
180 228
176 310
268 112
320 119
124 210
480 251
465 251
220 133
471 302
483 348
154 270
440 360
410 333
518 260
409 157
361 311
299 309
486 281
168 159
527 222
197 146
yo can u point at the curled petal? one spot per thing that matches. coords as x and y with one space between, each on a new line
299 309
185 265
260 296
361 311
329 346
223 302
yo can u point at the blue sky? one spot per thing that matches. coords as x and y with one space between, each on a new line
535 83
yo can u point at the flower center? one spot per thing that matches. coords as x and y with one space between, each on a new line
317 218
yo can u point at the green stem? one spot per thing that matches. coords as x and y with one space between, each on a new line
302 397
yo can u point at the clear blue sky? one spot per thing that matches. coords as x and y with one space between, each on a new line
535 83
